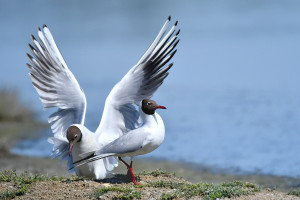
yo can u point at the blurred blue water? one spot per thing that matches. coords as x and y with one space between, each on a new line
232 97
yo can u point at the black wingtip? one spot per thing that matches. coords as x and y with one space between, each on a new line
32 37
175 44
28 65
45 26
169 18
176 23
30 46
29 56
177 32
39 29
173 53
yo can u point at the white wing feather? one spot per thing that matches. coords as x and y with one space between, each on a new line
57 87
139 83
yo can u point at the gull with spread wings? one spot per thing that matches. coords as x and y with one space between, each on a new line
58 88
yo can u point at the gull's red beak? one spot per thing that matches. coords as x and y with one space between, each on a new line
161 107
70 151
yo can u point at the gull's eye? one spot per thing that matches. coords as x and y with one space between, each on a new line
149 103
75 136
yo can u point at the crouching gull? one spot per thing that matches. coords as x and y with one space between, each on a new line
139 141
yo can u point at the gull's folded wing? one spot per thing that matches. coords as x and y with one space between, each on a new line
126 143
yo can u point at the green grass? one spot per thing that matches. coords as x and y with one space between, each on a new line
208 191
179 189
25 177
22 182
182 190
157 172
21 190
295 192
122 192
168 196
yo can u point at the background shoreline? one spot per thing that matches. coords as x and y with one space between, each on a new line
191 172
278 187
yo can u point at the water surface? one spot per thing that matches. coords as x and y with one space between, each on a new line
232 96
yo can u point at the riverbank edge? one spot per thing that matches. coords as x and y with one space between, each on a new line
187 171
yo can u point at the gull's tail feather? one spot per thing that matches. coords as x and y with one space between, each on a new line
110 163
104 168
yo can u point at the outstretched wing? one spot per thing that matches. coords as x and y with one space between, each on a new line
139 83
57 87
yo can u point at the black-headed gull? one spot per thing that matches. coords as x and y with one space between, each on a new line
136 142
57 87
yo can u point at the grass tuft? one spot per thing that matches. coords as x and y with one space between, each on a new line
131 195
122 193
169 196
21 190
22 182
25 177
179 190
208 191
295 192
158 172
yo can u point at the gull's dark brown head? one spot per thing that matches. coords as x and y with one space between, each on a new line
73 135
149 106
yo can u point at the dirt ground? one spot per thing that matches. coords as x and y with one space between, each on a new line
82 189
85 189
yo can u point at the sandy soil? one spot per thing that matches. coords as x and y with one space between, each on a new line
82 189
85 189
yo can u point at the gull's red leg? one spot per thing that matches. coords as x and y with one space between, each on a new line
125 163
132 175
129 171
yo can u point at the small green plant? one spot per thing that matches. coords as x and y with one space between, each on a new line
122 192
295 192
157 173
25 177
21 189
131 195
73 178
167 184
209 191
169 196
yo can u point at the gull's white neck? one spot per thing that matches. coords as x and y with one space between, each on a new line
150 119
